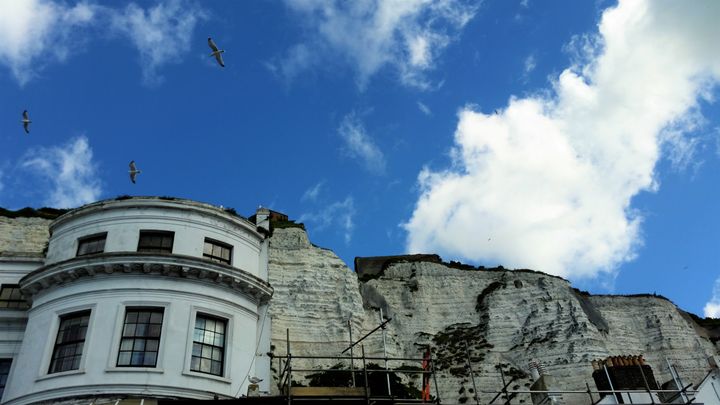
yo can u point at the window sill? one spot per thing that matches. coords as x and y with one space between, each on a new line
134 370
208 376
60 374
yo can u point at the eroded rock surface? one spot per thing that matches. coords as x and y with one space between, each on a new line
500 319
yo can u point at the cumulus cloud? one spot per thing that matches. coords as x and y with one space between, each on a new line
712 308
162 34
358 144
339 214
35 32
312 193
69 171
551 178
38 32
407 35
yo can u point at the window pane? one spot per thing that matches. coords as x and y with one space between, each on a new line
154 330
156 317
124 359
126 344
151 345
219 340
129 330
216 368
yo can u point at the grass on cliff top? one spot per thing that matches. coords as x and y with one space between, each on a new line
27 212
709 323
280 224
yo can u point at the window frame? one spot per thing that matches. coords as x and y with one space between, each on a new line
229 348
162 309
218 259
54 345
22 302
201 344
91 238
155 232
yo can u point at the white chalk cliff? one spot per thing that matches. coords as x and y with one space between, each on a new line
506 317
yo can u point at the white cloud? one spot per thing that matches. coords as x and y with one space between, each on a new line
712 308
38 32
312 193
162 34
551 178
69 170
370 34
339 214
529 64
35 32
358 144
425 109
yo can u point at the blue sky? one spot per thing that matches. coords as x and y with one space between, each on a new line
577 138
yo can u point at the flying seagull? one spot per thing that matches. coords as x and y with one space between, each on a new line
133 171
217 53
254 380
26 121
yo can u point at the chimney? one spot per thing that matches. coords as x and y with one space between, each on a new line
262 218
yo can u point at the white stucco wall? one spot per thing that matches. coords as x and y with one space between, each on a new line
182 283
107 296
191 222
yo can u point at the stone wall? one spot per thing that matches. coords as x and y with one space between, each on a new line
23 236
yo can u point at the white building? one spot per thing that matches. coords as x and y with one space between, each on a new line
137 298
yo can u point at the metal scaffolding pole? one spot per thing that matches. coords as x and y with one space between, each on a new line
387 376
352 362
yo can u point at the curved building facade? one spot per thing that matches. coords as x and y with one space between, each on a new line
145 298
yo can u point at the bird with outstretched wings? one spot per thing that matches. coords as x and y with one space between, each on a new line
133 171
217 53
26 121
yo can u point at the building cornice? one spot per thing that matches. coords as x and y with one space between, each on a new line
168 265
156 202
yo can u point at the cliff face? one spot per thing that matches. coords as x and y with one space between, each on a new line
506 318
23 236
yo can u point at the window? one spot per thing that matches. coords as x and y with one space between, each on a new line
156 241
70 341
208 349
11 297
140 337
217 251
91 244
4 371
